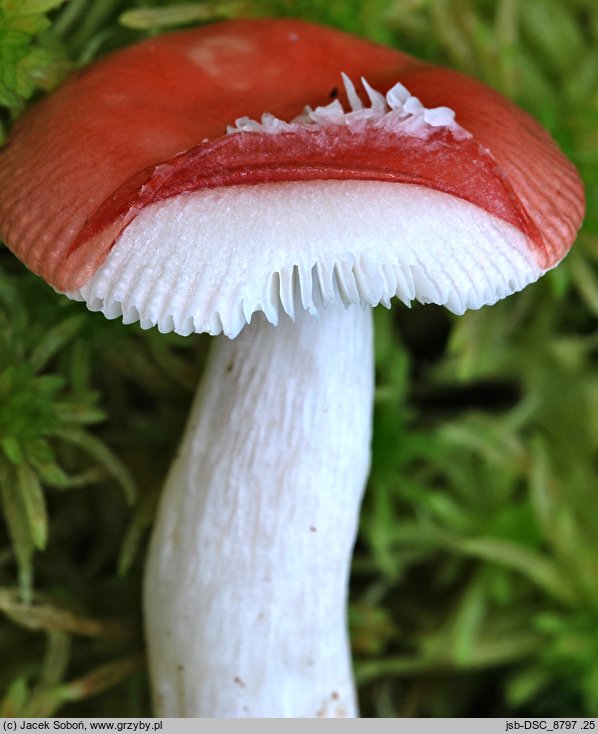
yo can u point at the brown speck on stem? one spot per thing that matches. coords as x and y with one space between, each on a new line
334 696
313 529
180 668
230 366
239 682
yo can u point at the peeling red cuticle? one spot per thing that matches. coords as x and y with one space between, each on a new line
461 168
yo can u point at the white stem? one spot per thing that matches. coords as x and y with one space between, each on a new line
246 582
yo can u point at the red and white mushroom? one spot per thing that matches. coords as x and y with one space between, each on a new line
230 174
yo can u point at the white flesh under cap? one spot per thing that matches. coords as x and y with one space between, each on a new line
206 261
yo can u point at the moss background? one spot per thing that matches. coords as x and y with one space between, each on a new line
475 578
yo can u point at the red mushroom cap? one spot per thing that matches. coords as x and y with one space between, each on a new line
149 122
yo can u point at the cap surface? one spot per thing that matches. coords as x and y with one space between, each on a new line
133 187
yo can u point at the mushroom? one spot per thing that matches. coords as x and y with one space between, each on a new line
127 190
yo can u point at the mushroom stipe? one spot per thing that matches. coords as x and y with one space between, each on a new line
211 181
